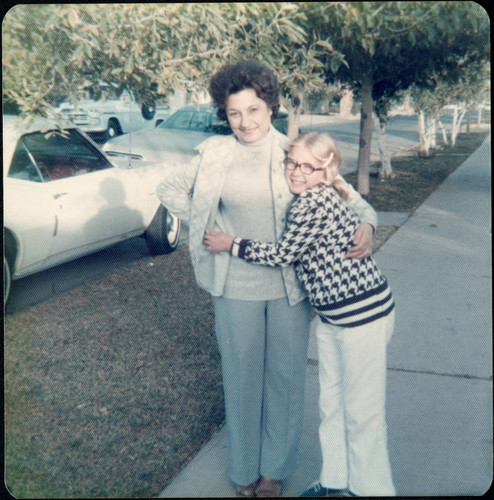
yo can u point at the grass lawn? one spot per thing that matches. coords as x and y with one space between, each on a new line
112 388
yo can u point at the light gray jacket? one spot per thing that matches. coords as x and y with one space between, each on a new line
193 193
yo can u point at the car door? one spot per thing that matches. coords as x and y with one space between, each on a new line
94 201
29 212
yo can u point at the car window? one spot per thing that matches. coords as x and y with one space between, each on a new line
281 123
200 121
220 127
60 156
22 166
180 120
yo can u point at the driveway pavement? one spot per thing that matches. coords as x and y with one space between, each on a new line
439 406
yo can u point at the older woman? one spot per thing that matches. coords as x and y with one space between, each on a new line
236 185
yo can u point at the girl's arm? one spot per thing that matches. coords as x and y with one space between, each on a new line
305 225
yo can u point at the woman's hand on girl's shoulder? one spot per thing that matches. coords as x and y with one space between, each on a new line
362 242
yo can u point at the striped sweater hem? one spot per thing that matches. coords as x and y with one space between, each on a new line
358 310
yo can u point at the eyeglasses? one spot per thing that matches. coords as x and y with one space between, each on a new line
305 168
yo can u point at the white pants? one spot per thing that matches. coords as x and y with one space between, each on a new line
353 434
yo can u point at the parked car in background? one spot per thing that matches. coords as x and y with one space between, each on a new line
175 138
63 199
111 116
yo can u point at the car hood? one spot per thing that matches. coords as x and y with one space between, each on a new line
154 144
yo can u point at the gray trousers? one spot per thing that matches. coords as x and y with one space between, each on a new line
263 346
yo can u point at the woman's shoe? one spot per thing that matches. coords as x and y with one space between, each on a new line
268 488
247 491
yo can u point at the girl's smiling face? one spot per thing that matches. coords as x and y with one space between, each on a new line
248 115
297 181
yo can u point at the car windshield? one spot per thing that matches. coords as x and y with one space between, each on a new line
49 156
196 120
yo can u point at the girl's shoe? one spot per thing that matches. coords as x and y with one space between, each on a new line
268 488
318 490
247 491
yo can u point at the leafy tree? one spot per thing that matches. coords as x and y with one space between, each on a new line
462 91
389 45
469 90
151 49
53 49
429 103
278 34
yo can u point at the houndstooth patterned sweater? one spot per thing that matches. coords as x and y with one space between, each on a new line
320 229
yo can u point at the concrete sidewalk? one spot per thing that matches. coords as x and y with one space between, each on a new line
439 407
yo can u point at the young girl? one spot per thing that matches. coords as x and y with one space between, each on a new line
355 320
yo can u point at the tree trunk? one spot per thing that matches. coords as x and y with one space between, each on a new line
346 103
364 151
457 119
443 132
386 169
480 108
454 125
294 111
432 133
422 142
407 107
429 135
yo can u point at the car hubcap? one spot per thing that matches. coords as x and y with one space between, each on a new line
172 225
6 280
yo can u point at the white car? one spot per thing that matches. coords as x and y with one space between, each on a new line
63 199
112 116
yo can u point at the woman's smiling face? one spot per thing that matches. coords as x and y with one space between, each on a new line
248 115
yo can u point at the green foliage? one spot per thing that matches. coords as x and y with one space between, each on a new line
389 46
50 50
150 48
65 47
398 42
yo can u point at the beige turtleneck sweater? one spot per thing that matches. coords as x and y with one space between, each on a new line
246 207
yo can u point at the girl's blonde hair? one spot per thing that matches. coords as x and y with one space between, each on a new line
323 147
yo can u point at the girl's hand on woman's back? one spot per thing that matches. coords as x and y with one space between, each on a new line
218 242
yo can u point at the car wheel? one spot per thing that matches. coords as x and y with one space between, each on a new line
6 280
113 129
163 233
148 111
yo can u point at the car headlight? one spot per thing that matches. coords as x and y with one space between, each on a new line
92 113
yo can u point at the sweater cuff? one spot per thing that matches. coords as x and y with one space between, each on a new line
238 247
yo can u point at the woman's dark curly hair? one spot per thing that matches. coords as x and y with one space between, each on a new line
248 74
